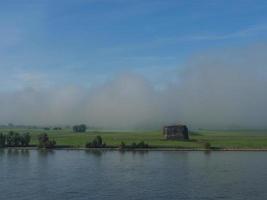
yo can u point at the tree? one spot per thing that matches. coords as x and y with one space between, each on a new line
2 140
97 142
207 145
122 145
79 128
25 139
13 139
44 141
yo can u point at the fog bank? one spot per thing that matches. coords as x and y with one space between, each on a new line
222 89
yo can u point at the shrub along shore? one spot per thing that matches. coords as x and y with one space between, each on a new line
153 140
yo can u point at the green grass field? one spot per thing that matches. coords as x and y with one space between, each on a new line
217 139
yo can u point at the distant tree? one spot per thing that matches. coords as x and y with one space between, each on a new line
2 140
79 128
10 125
75 128
44 141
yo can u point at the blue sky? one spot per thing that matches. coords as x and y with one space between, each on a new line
82 42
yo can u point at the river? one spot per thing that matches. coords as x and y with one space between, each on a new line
140 175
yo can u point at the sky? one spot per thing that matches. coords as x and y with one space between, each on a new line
133 64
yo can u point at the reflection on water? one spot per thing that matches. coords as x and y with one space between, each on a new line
96 152
45 152
140 152
97 174
15 152
2 151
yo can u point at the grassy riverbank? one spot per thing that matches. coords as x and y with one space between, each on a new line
155 139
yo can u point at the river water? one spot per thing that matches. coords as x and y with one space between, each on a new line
153 175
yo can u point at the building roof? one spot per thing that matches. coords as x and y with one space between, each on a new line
177 125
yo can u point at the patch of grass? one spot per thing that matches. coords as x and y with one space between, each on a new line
155 139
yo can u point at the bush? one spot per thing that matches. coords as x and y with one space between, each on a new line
141 145
207 145
2 140
44 141
122 145
133 145
97 142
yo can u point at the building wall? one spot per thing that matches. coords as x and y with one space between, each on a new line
176 132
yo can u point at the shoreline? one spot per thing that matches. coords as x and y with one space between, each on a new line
140 149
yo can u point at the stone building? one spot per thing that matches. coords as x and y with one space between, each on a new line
176 132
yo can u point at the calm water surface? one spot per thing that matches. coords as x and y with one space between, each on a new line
78 175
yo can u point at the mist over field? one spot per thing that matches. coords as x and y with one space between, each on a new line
225 88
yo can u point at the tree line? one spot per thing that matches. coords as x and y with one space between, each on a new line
79 128
98 142
14 139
